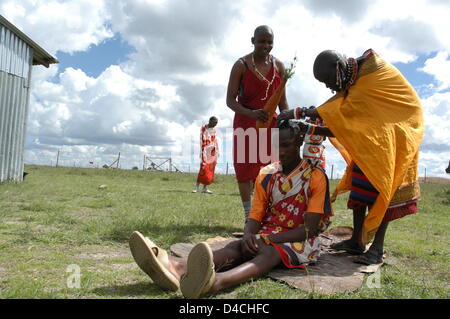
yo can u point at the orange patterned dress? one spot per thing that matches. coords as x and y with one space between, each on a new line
281 201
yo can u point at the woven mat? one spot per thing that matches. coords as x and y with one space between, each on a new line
335 272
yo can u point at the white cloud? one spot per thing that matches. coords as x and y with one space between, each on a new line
437 123
439 67
184 51
105 110
67 26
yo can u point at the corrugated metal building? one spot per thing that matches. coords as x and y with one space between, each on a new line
18 53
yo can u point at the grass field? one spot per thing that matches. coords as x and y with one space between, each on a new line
60 217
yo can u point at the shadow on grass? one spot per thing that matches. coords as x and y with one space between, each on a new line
131 290
174 233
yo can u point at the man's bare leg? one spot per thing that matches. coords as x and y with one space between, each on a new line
245 190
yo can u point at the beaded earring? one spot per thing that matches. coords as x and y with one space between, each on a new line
339 75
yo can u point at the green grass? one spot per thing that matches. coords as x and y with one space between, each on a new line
59 217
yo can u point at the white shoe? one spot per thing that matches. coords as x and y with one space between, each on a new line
154 264
195 191
207 191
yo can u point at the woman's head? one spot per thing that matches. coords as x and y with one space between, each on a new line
262 40
328 67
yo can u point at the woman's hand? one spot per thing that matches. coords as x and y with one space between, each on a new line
286 115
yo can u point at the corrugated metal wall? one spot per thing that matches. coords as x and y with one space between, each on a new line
15 73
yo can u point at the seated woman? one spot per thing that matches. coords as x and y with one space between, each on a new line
291 206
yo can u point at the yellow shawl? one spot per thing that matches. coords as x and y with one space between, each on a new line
379 125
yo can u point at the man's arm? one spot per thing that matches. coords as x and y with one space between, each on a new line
232 92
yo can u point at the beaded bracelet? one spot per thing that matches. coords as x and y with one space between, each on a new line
300 113
303 113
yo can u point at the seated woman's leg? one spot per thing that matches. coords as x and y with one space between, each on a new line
266 259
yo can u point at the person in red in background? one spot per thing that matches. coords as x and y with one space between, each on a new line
208 155
253 79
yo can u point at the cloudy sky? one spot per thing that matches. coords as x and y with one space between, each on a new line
139 77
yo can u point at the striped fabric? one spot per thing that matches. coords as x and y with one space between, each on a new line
363 194
362 190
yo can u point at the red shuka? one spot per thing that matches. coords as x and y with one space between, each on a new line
209 154
252 91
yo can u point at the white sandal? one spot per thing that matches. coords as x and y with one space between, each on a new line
200 274
156 266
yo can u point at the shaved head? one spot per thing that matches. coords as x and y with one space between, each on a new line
212 121
263 42
262 29
325 67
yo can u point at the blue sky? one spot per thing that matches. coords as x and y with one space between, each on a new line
412 72
97 57
141 77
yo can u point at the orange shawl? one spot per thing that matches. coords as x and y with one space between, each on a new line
379 125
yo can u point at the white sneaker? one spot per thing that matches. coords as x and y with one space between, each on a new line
207 191
195 191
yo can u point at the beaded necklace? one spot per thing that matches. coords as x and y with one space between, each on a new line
352 71
269 83
349 76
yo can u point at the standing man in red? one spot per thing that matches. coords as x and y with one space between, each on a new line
253 79
208 155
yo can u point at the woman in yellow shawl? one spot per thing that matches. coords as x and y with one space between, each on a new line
375 121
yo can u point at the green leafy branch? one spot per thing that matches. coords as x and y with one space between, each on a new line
289 73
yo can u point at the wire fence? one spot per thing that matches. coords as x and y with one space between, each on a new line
169 164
